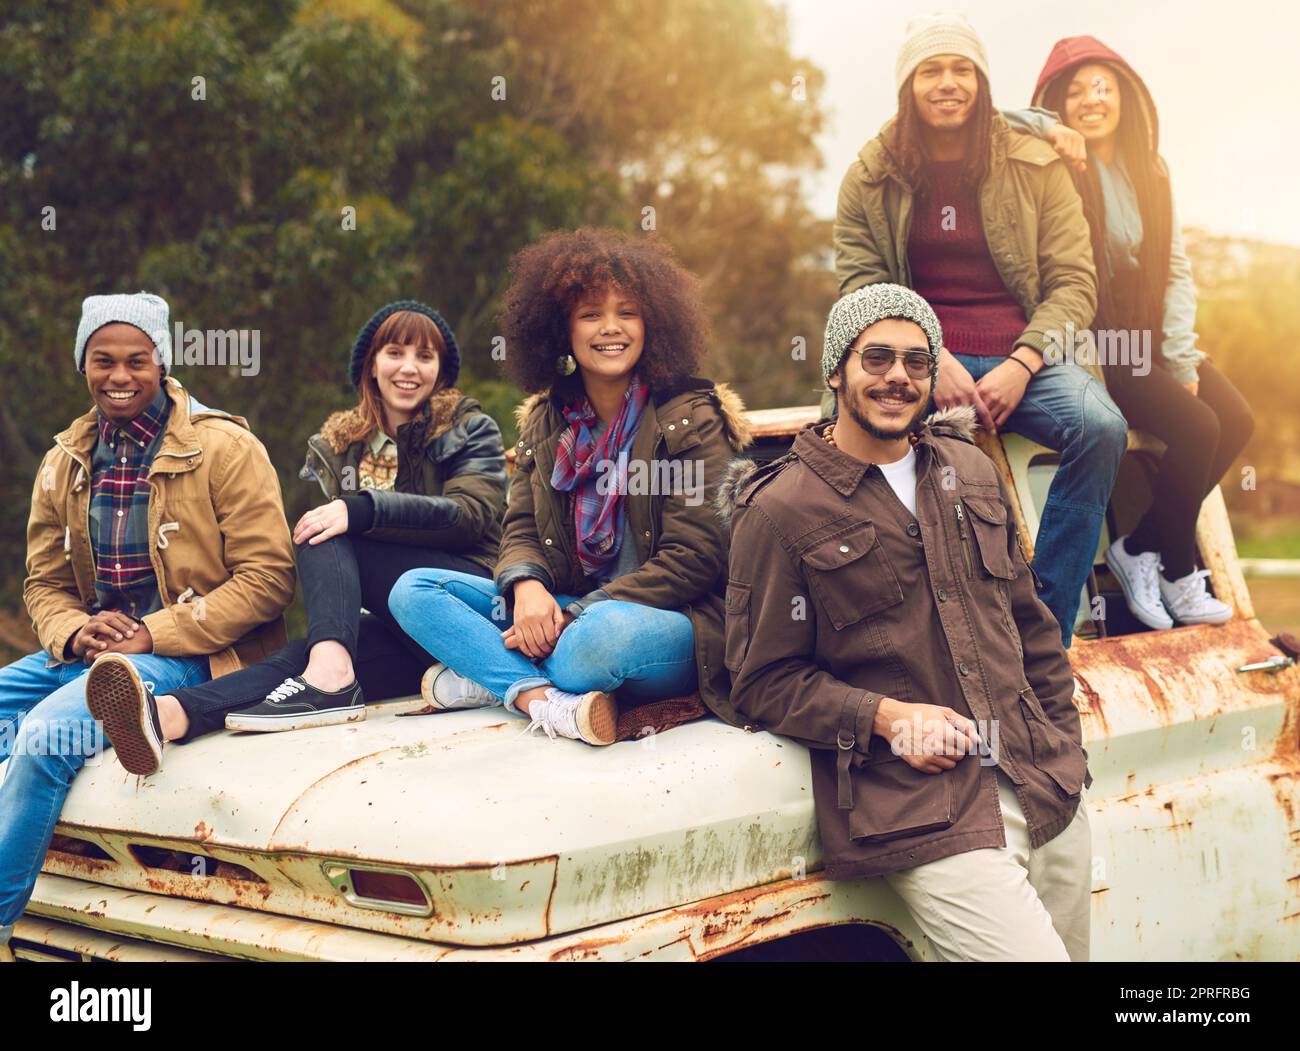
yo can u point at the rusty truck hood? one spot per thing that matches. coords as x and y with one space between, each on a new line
514 837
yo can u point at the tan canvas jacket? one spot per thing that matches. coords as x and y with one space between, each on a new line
221 548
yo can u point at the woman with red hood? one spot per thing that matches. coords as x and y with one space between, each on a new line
1144 284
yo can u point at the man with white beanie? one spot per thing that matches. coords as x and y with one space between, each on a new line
984 222
157 541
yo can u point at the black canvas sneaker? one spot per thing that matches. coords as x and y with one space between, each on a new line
296 705
120 702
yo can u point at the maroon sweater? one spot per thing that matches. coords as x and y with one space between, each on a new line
952 268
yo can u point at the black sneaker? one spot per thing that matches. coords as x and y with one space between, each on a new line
124 706
296 705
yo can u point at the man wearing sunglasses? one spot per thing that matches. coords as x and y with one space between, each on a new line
879 610
984 222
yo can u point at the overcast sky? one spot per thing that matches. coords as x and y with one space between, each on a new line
1222 73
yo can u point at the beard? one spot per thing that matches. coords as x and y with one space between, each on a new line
855 403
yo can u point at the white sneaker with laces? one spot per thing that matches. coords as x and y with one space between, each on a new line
1139 577
443 688
1190 602
589 717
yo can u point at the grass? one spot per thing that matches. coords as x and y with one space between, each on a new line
1277 539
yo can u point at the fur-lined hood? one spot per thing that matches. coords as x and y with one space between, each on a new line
531 413
959 421
440 414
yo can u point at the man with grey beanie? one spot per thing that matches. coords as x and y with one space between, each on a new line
880 611
157 550
951 200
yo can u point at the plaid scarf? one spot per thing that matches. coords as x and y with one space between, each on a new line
581 462
119 509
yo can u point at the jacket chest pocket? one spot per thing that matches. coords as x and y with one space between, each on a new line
982 526
850 575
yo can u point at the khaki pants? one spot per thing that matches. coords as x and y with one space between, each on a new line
1007 903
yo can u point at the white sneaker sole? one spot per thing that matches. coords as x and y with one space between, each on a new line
117 699
1209 618
426 692
1117 568
598 718
297 721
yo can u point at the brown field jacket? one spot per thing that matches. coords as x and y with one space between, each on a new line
680 541
220 544
838 597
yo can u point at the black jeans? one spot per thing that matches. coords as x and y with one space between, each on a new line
1204 433
339 577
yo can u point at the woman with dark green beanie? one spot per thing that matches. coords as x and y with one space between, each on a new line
414 478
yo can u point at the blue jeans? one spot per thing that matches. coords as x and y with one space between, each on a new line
47 735
1067 409
649 653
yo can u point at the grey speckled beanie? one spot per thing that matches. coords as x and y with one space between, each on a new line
144 310
861 309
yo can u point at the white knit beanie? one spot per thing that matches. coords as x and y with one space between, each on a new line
144 310
946 33
854 313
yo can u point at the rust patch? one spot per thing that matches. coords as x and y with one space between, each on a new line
1095 708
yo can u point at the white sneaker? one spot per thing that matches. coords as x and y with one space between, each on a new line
443 688
590 717
1139 576
1190 602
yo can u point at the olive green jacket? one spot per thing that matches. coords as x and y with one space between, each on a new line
689 436
1033 223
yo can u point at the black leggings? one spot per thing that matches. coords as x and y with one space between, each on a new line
1204 433
339 577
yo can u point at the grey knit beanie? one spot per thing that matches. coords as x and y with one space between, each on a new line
946 33
859 310
144 310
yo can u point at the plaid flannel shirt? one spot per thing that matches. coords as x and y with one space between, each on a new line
119 510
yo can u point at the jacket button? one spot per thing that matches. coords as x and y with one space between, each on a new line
943 595
912 529
963 668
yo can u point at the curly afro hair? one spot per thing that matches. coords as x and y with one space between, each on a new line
549 277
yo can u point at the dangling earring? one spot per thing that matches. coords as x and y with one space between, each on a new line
566 365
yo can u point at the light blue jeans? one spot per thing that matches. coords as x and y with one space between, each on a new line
47 735
1067 409
649 653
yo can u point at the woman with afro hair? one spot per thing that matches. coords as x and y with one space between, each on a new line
612 568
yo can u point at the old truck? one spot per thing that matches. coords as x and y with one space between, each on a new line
408 839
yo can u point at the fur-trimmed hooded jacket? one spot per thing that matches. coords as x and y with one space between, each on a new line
838 596
682 448
451 478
